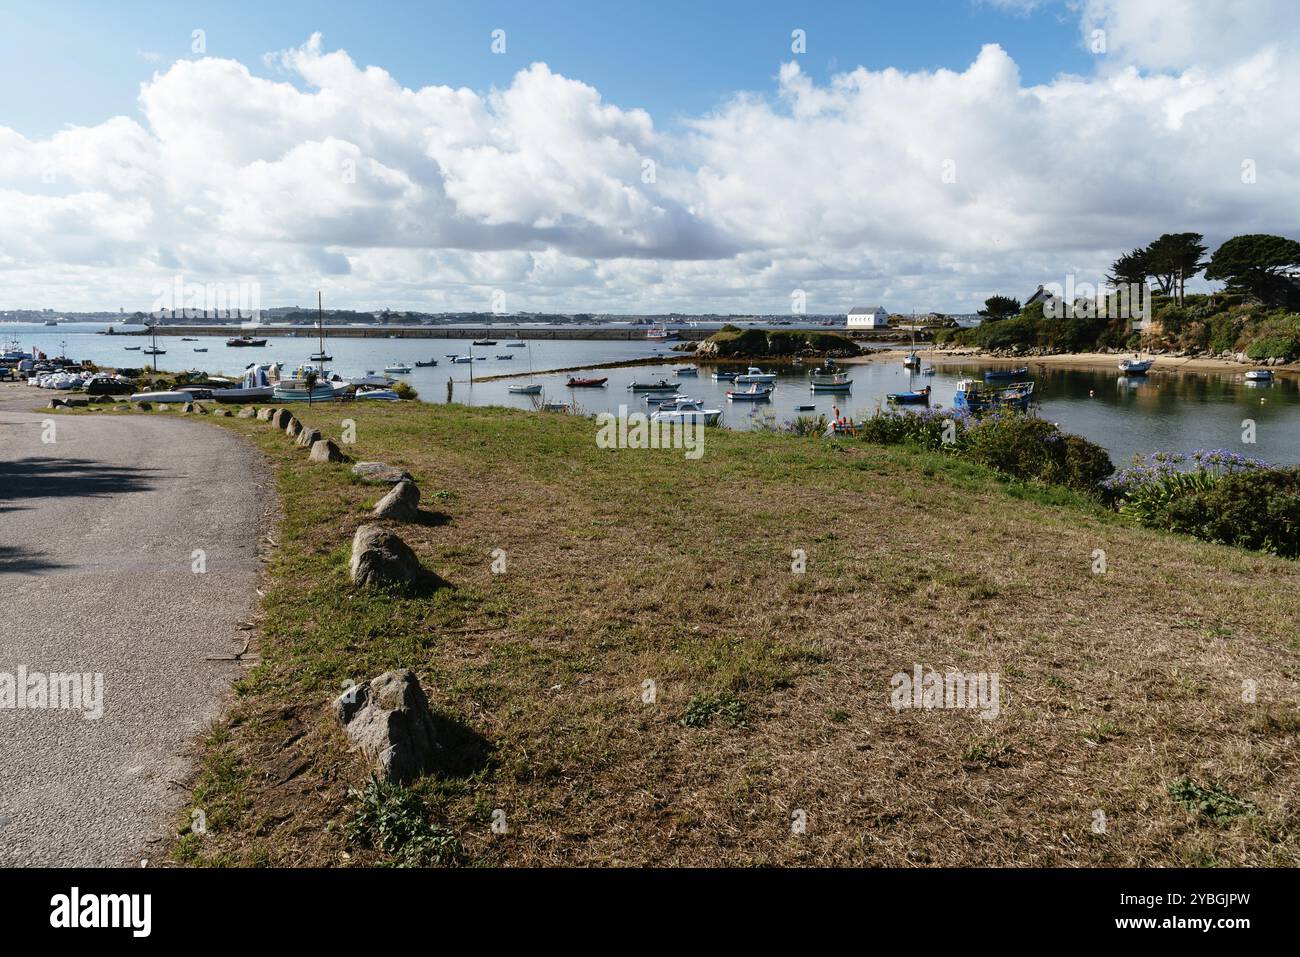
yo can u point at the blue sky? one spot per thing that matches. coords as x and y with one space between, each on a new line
85 61
632 156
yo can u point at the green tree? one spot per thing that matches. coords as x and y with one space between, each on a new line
1133 267
1173 258
1000 307
1255 264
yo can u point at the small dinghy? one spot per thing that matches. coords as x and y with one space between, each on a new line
200 348
132 348
419 364
506 356
525 389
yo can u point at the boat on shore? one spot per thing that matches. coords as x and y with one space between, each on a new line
298 388
576 383
373 392
256 384
1136 366
168 396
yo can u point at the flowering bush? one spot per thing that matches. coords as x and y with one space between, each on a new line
1016 445
1217 495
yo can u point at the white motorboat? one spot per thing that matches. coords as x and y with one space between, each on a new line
686 370
524 389
162 397
830 382
1259 375
755 374
397 369
255 385
687 410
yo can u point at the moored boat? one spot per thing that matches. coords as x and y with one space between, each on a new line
754 393
245 341
420 364
575 383
484 342
532 389
1019 373
1259 375
914 397
397 369
663 385
755 374
725 376
830 382
971 396
687 410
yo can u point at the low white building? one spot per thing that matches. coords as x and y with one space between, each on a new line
869 317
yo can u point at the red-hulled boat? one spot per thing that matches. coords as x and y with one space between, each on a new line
585 383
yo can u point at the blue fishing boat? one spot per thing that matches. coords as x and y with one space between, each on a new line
914 397
971 396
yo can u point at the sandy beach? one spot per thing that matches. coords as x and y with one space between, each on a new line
1072 360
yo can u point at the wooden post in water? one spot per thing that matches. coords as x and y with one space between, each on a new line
449 381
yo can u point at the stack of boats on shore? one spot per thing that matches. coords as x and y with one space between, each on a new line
261 382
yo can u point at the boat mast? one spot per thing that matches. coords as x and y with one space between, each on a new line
320 333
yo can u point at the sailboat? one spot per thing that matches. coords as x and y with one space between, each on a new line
532 388
912 360
153 349
320 356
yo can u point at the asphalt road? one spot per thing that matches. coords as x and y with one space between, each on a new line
97 537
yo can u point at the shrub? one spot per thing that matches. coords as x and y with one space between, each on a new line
404 390
1281 347
395 820
1015 445
1218 496
1034 449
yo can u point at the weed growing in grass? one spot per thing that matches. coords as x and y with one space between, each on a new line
702 709
396 820
1213 802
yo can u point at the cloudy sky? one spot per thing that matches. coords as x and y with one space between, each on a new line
622 158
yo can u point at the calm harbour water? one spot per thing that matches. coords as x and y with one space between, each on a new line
1161 411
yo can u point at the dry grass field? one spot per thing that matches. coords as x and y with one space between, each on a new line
1123 735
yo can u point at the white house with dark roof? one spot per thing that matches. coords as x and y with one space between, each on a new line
868 317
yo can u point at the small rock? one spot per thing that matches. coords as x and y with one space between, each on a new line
380 557
247 412
380 473
280 418
264 415
293 428
77 403
402 503
309 437
325 450
143 406
189 407
389 720
57 404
